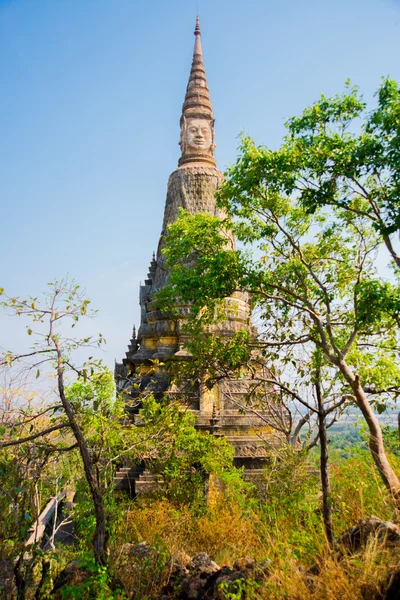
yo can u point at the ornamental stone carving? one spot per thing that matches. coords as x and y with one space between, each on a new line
162 338
197 138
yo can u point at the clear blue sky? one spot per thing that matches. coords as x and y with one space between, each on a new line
90 100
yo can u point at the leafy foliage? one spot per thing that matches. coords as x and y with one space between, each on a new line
179 454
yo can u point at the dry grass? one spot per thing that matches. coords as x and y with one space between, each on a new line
361 576
224 532
358 492
227 533
286 530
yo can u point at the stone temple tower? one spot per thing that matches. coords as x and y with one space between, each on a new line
160 338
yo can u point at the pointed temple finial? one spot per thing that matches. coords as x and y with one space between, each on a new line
197 120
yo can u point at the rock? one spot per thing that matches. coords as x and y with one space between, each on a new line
178 565
393 587
250 568
181 558
72 574
243 564
203 561
243 569
227 578
143 566
137 555
201 578
138 551
200 571
134 556
178 573
387 532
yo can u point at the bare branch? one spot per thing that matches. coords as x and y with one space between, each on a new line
34 436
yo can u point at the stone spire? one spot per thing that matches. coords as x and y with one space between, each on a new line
162 338
197 120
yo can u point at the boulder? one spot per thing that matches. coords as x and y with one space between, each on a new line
72 574
393 587
202 563
201 578
142 567
243 569
139 552
199 574
387 532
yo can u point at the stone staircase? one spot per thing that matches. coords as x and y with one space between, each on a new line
125 479
249 453
145 483
253 475
135 481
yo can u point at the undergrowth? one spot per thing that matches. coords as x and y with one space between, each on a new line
279 525
277 522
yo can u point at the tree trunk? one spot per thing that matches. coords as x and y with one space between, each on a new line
398 425
21 576
376 446
100 538
40 593
325 482
389 246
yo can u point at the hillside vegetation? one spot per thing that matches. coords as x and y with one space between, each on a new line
313 220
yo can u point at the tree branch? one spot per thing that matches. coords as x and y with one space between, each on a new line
34 436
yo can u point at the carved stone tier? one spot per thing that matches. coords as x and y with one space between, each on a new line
161 338
191 187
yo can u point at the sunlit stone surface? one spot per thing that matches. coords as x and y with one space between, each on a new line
192 186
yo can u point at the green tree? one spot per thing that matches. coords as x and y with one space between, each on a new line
338 154
64 306
181 456
31 474
80 433
311 281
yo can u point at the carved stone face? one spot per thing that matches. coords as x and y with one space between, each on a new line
198 134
